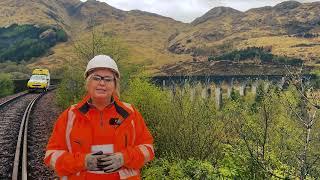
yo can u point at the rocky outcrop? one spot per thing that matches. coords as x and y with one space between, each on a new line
49 35
179 48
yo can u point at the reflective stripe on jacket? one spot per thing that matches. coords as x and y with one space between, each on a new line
82 129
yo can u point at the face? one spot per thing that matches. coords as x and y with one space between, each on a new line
101 84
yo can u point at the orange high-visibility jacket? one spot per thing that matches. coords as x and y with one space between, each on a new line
83 129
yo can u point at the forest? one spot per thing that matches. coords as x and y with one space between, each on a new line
23 42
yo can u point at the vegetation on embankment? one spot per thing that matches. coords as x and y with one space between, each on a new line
258 54
6 85
260 137
16 70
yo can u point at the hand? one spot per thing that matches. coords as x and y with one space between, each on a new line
111 163
91 160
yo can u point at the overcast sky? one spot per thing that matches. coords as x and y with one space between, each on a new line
188 10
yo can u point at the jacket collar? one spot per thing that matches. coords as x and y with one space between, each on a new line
84 106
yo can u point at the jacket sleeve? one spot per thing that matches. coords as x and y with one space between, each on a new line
57 155
142 152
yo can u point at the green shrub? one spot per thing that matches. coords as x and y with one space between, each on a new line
316 81
256 138
256 53
16 70
175 168
179 169
6 85
62 36
71 88
211 58
182 127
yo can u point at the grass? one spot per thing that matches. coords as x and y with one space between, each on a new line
285 45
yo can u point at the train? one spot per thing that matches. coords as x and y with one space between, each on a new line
39 80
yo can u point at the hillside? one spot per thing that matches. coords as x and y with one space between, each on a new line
37 12
289 29
146 34
226 68
223 29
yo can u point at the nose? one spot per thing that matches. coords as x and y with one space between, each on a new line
102 82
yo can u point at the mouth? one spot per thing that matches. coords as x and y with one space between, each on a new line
101 90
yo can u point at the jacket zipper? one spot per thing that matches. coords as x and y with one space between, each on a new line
101 121
125 140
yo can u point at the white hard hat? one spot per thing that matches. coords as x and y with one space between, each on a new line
102 61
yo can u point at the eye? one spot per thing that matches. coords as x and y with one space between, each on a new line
108 79
96 78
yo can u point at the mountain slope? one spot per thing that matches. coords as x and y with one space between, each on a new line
219 31
146 34
156 40
36 12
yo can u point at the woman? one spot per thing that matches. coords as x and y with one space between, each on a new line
101 137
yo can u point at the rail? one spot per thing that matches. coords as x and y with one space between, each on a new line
21 159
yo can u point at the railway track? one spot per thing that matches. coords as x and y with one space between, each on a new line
12 98
20 159
12 112
14 140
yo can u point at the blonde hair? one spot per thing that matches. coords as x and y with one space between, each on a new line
117 82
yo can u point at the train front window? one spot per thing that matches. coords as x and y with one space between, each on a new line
38 78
